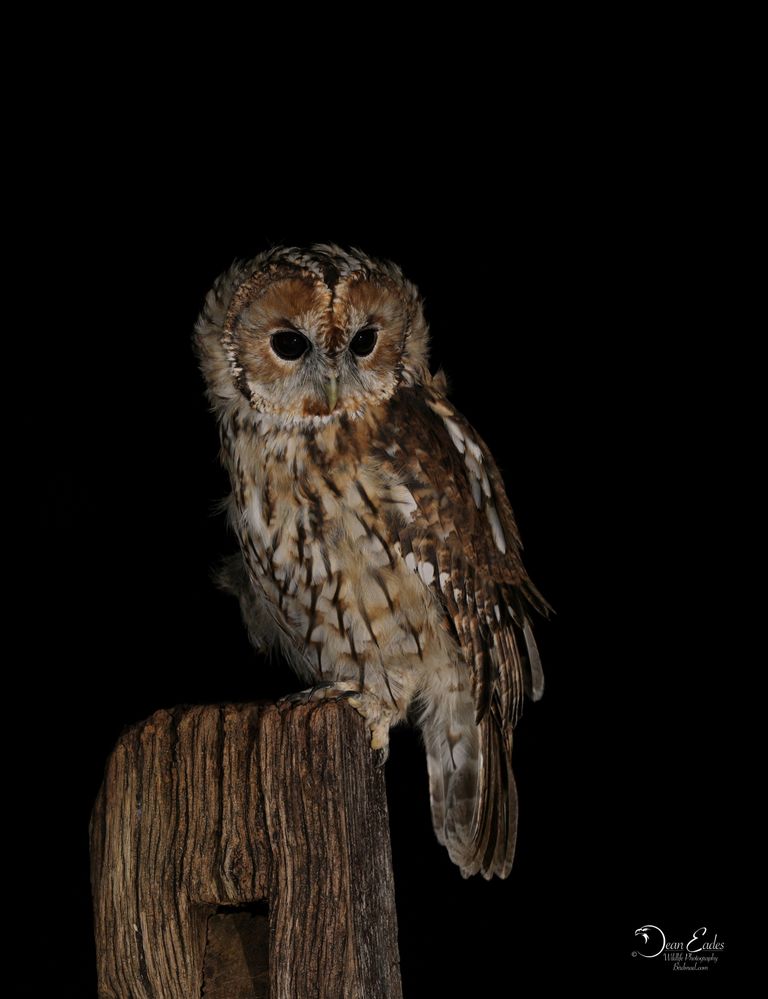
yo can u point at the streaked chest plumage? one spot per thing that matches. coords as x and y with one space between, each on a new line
317 510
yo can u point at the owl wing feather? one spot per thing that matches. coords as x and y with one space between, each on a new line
464 530
463 540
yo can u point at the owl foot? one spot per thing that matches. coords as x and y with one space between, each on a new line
377 716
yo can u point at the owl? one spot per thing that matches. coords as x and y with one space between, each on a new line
378 549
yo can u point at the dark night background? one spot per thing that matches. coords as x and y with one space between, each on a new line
569 289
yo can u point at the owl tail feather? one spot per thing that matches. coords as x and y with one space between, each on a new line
472 790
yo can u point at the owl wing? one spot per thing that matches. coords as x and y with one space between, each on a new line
463 540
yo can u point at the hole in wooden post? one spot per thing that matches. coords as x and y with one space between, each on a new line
237 953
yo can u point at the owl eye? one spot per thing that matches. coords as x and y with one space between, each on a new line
364 341
289 344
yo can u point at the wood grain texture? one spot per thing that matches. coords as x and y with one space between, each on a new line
224 806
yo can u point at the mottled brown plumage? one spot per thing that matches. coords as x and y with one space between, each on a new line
379 550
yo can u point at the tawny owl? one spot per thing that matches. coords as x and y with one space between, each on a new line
379 549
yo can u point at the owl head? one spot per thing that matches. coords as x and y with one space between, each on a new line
309 335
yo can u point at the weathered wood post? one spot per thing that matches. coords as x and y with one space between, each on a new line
204 808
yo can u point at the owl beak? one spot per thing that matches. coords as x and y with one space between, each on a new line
332 392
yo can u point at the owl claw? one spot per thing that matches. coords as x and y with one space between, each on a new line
377 716
341 695
315 693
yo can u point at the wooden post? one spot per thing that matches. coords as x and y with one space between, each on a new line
243 851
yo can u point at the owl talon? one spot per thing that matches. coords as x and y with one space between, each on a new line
343 695
305 696
377 717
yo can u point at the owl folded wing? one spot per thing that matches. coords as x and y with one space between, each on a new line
463 540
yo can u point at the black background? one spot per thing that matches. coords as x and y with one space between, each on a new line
571 294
